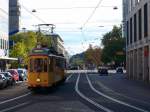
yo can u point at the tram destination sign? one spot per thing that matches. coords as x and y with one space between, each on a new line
40 51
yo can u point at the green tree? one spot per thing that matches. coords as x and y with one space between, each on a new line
30 40
19 51
45 40
25 42
78 62
93 55
114 45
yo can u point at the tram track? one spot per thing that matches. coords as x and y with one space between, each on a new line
85 91
99 86
88 99
69 77
19 101
113 99
104 100
16 102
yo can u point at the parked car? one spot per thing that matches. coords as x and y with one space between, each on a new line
119 70
3 81
103 70
22 74
14 73
9 77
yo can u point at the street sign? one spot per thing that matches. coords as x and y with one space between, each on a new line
120 53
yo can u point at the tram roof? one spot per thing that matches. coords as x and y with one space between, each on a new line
44 52
52 55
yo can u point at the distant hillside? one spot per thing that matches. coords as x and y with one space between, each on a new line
77 59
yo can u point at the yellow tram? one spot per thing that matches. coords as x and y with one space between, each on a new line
45 69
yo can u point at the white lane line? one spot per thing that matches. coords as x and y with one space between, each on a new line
89 100
69 77
113 99
14 107
6 101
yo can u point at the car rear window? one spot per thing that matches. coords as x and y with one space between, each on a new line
12 72
20 71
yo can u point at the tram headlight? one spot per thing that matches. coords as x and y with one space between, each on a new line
38 80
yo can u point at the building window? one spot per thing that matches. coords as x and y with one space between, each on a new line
131 30
145 20
0 43
127 32
140 24
3 44
135 28
7 44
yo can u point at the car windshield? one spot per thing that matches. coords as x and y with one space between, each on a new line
11 71
6 74
119 68
20 71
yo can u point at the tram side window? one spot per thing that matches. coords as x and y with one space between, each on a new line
31 65
57 62
38 65
45 65
63 64
51 62
60 63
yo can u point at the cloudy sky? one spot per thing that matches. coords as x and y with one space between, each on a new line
74 19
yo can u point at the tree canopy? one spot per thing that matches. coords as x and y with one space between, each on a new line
93 55
114 46
24 42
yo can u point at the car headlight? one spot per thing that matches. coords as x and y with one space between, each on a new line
22 74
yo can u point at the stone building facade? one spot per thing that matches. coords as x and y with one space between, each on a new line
136 27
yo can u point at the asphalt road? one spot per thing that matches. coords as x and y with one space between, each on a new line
81 92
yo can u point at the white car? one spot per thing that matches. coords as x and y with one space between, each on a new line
22 74
119 70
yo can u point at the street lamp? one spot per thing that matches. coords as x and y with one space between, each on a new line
24 29
115 7
34 10
101 26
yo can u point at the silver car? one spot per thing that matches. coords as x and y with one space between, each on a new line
22 74
9 77
3 81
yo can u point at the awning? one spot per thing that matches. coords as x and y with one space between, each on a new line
8 58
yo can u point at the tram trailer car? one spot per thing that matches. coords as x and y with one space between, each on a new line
45 69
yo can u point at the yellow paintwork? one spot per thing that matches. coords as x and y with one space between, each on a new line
44 79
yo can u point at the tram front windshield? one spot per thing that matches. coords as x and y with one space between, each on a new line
38 65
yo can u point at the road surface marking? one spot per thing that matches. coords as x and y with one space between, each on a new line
113 99
89 100
6 101
120 94
14 107
69 77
